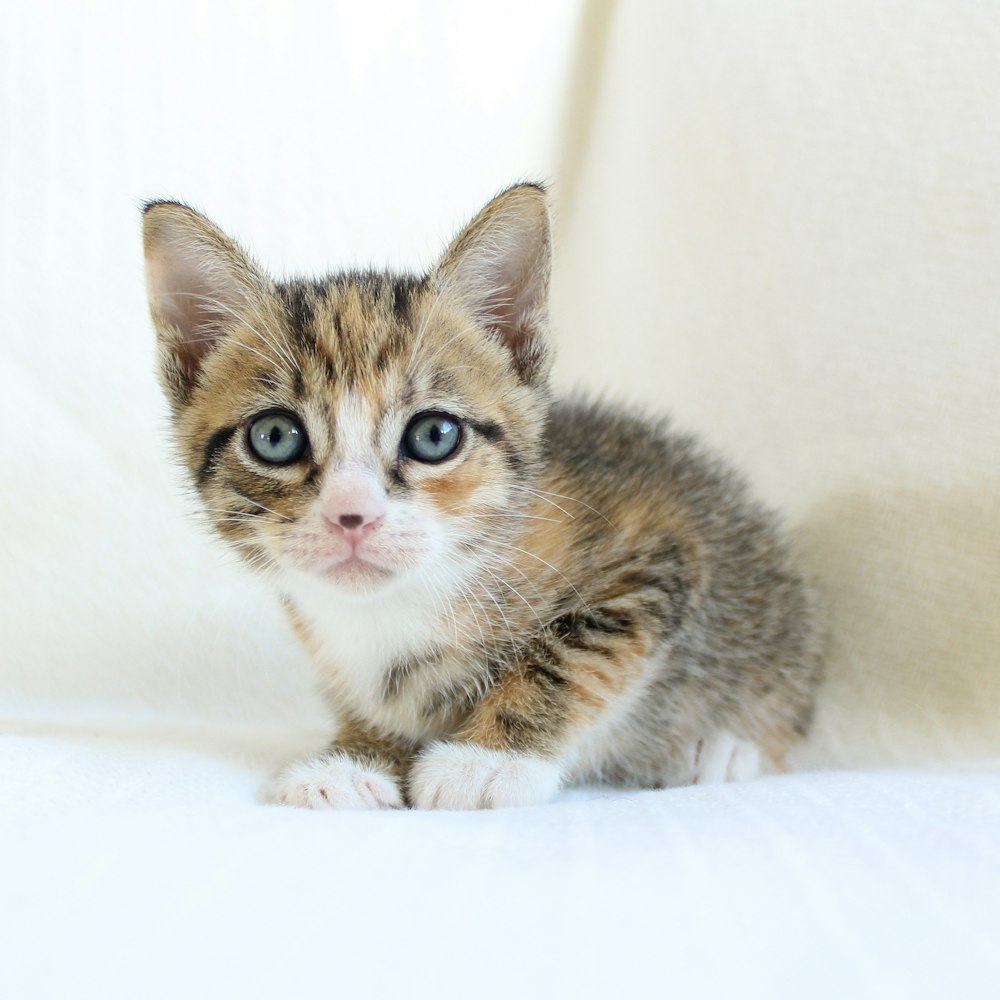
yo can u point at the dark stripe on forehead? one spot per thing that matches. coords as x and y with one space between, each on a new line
391 348
329 368
401 300
299 307
215 444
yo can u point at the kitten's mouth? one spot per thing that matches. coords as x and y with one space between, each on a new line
355 571
364 567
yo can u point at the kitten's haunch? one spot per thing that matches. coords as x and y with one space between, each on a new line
502 593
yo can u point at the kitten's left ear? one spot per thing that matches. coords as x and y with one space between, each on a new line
498 268
200 284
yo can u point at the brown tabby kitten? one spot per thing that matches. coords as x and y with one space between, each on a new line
502 593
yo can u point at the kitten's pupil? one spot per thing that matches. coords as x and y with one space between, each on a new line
275 434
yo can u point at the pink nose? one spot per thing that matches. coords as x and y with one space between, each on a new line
354 503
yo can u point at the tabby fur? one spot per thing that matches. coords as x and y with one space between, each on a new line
578 594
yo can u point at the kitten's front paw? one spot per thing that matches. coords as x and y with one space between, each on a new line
465 776
335 782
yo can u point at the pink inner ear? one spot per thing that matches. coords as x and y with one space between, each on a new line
183 300
500 267
513 297
197 288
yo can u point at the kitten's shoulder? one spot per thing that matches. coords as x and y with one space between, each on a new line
592 434
625 462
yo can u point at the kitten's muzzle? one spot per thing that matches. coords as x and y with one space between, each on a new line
353 503
355 528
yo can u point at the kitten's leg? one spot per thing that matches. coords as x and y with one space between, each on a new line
724 757
518 742
360 770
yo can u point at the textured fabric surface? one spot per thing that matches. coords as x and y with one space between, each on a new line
779 221
143 866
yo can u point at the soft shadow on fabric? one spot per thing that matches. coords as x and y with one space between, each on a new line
912 585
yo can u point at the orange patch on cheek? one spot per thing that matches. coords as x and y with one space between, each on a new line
451 488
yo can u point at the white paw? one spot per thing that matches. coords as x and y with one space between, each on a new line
724 757
464 776
335 782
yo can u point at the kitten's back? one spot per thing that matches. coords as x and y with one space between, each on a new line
650 502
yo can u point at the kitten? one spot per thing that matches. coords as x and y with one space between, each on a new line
503 594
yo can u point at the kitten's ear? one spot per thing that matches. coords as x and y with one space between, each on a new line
498 267
199 282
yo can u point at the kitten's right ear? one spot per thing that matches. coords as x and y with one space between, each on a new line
198 282
498 268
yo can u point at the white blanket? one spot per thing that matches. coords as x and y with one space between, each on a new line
141 865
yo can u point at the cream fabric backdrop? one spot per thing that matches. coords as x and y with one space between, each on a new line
781 221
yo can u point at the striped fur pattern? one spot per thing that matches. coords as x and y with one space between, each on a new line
575 593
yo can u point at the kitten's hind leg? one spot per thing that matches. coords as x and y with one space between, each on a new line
360 770
724 757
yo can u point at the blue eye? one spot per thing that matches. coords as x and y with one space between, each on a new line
432 437
277 438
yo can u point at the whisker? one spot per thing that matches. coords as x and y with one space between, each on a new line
272 342
520 517
511 587
284 518
281 355
469 595
506 620
546 493
257 503
544 499
545 562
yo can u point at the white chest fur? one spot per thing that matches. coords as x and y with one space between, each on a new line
361 638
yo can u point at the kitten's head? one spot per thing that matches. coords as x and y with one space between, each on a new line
363 428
